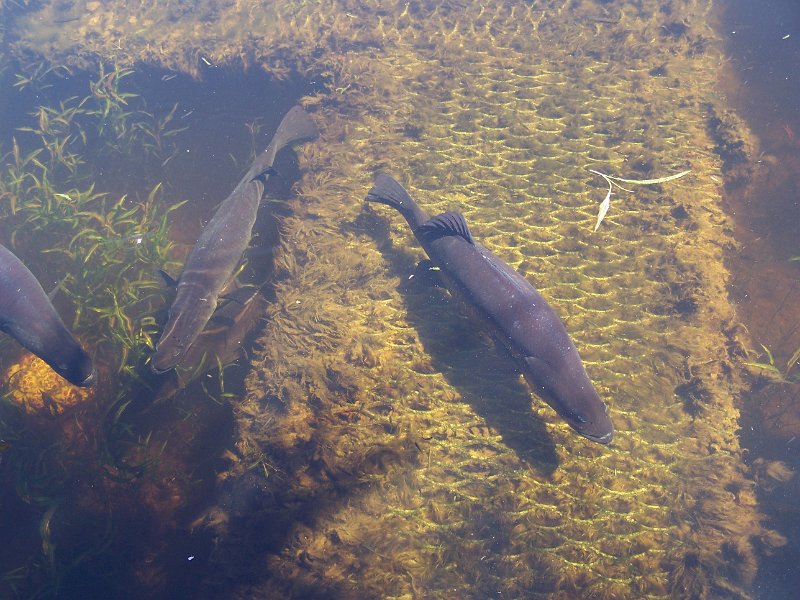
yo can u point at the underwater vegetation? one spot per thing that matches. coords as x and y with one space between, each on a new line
787 373
104 251
374 451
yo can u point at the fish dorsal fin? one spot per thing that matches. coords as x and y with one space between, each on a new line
168 279
447 223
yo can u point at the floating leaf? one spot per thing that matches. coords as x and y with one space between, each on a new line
647 181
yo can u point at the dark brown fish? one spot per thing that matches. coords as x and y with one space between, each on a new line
27 315
220 343
512 308
219 249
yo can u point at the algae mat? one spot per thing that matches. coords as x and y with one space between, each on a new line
384 448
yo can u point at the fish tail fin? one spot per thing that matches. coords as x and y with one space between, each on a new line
296 126
387 190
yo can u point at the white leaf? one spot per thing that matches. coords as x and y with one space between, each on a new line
604 206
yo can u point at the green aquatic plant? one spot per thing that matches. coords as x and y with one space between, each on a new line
109 246
125 454
156 131
776 373
37 75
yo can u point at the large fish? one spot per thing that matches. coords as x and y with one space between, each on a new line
517 314
216 346
27 315
220 247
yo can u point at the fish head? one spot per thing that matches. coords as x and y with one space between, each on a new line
572 395
167 357
78 369
185 323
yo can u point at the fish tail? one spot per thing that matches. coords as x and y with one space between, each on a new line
296 126
387 190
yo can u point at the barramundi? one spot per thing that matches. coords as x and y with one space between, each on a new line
219 249
516 314
28 315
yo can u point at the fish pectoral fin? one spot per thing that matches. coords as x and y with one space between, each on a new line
447 223
222 320
241 295
265 174
168 279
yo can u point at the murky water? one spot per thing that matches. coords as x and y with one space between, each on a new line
764 88
368 438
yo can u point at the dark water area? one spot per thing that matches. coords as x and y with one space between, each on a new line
377 444
764 46
204 136
763 87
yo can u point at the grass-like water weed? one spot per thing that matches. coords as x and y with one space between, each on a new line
106 248
776 373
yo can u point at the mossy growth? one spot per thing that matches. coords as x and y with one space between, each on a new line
486 492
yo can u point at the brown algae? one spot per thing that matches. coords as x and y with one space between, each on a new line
408 463
35 387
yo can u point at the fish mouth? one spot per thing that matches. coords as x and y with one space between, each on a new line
600 439
159 370
90 380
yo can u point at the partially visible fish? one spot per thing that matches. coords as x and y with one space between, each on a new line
512 308
220 246
220 343
27 315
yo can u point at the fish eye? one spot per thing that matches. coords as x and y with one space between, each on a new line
571 415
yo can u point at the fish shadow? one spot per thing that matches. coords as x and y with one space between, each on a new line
254 536
482 371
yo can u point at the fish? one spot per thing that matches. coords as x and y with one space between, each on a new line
220 343
28 315
513 310
211 263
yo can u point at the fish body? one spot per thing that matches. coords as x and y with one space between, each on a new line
219 248
216 346
27 315
517 314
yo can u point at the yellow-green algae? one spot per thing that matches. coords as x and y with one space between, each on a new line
377 419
